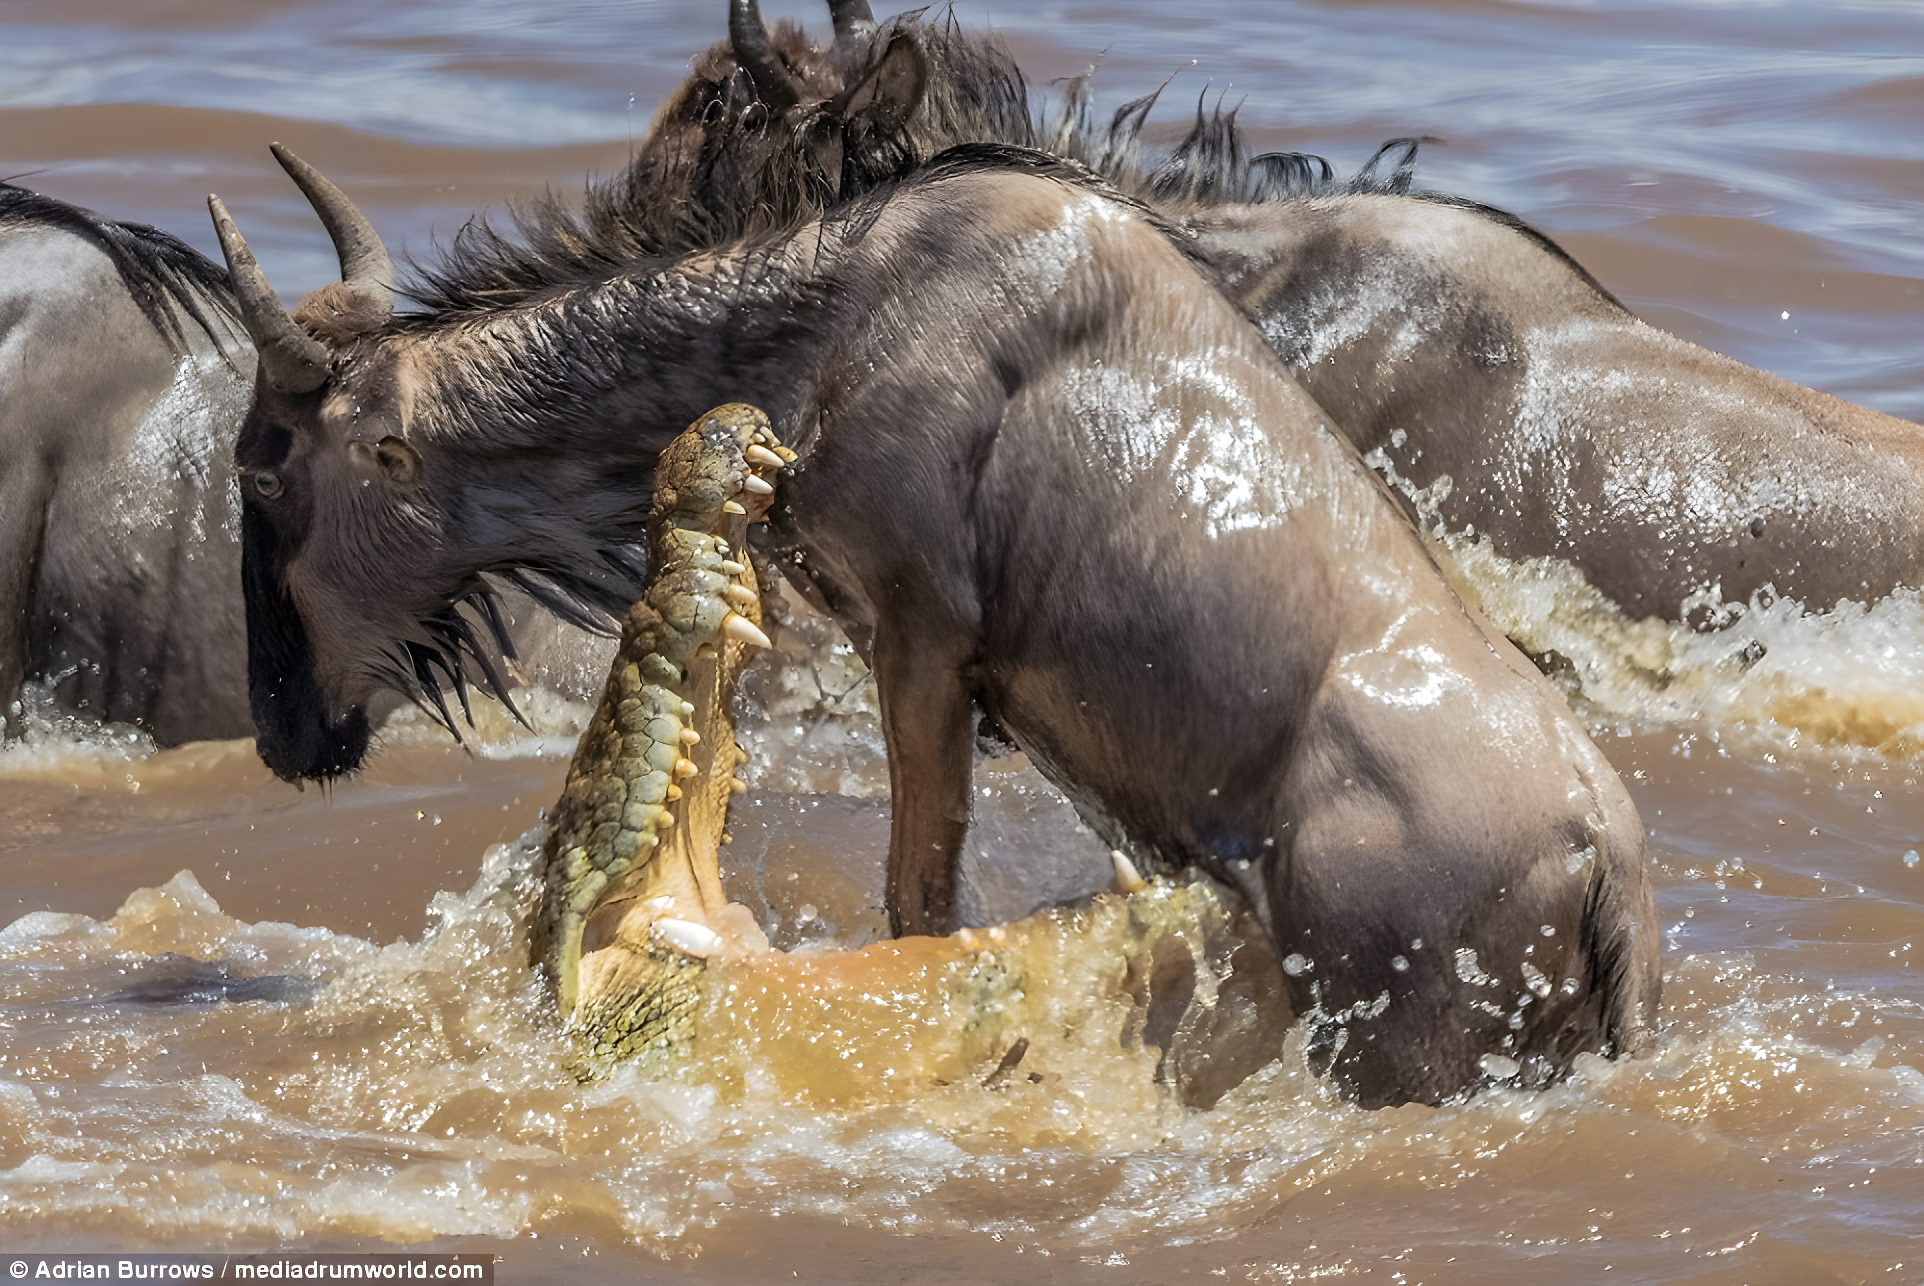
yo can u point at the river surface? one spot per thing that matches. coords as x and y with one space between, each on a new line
233 1016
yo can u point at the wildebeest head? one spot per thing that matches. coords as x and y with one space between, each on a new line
339 527
365 556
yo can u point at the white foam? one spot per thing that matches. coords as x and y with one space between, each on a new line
1852 675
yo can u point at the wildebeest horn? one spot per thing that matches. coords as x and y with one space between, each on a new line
364 260
291 359
777 85
852 19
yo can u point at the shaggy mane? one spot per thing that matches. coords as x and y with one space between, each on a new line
165 276
717 168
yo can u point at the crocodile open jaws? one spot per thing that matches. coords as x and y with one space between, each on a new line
634 931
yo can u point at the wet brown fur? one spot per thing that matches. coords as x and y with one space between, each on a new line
338 313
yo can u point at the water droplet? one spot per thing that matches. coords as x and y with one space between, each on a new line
1497 1067
1910 857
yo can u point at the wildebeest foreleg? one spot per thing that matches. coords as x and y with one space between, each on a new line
25 486
928 711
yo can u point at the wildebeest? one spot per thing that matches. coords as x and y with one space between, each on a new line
123 380
119 559
1499 381
1047 470
1462 351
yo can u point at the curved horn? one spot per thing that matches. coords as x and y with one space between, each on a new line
852 19
364 260
777 85
292 360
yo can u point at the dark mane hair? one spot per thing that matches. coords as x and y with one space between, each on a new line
719 168
165 276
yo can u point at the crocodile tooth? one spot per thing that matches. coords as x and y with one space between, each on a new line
731 569
672 793
688 709
788 457
730 507
697 940
741 594
690 737
736 786
1128 878
757 486
685 768
762 455
743 630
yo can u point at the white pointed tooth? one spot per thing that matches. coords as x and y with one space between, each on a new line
741 595
689 737
728 568
698 940
762 455
743 630
736 786
788 457
1128 878
730 507
685 768
757 486
688 709
674 793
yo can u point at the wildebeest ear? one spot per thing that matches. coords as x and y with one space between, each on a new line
888 93
399 459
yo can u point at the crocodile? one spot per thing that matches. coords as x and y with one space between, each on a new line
633 916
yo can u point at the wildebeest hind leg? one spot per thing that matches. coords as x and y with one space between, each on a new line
928 713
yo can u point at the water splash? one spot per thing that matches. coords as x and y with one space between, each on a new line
1769 668
1852 676
424 1090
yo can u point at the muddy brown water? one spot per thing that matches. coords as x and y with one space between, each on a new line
323 1036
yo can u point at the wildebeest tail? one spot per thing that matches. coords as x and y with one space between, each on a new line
1621 941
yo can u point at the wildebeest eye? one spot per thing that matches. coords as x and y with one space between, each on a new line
268 485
